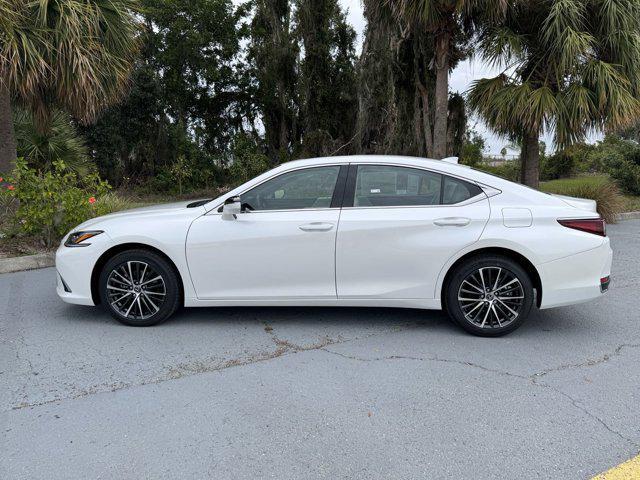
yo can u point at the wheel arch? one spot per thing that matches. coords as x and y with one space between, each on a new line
123 247
523 261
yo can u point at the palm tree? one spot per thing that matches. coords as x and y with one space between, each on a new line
570 66
444 20
58 142
62 53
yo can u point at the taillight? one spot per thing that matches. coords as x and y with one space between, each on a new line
596 226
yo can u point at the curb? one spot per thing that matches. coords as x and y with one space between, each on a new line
28 262
628 216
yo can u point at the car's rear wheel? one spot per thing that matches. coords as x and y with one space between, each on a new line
139 288
489 296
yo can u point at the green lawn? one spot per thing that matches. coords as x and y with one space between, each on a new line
563 184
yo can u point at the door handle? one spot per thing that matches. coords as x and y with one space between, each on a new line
452 222
316 227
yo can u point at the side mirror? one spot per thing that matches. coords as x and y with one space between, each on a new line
231 208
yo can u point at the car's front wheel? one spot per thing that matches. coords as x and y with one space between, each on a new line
489 296
139 288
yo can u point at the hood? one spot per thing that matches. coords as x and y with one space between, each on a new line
162 208
581 203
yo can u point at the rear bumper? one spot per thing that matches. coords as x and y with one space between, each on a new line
576 278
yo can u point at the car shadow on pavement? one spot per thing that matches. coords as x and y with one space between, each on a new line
339 316
554 320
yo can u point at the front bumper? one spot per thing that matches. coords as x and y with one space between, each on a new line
576 278
74 268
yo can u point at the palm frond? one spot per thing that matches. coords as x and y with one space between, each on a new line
577 65
77 54
501 46
57 140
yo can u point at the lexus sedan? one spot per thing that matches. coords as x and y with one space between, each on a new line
347 231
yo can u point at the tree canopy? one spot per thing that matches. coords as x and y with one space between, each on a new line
207 83
571 67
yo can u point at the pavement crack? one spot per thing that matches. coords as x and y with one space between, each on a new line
576 404
427 359
283 348
533 380
588 363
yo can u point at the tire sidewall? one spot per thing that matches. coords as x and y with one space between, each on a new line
461 272
162 267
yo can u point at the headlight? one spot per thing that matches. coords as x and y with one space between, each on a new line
78 239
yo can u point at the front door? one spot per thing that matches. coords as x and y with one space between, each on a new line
282 246
399 227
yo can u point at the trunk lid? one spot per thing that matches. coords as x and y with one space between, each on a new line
581 203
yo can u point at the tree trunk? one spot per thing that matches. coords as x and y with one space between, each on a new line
530 159
426 125
7 134
441 96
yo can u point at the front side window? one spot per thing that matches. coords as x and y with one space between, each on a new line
307 188
385 186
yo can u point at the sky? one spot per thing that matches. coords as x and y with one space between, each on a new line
460 80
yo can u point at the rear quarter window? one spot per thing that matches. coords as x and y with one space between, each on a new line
455 190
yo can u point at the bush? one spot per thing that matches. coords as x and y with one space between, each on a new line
616 157
627 174
606 193
248 160
559 165
115 202
48 205
623 164
473 147
508 170
609 154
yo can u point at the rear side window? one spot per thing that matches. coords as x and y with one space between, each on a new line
455 190
390 186
384 186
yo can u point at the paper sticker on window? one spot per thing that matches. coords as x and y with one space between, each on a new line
375 190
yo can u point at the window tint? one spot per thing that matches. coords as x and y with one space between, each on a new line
381 185
456 190
308 188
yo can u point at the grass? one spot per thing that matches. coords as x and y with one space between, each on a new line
596 187
631 203
119 200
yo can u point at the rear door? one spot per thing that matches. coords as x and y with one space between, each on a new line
398 227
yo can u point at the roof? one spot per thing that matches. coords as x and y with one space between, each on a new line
462 171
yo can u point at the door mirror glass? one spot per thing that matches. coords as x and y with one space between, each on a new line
231 208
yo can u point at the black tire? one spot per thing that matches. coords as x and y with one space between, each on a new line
165 296
489 306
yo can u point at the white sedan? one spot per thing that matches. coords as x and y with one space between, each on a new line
347 231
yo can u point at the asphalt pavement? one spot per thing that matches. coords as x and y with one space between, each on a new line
291 393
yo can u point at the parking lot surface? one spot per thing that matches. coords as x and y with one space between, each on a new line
239 393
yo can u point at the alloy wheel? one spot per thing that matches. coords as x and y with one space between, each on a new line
491 297
135 290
